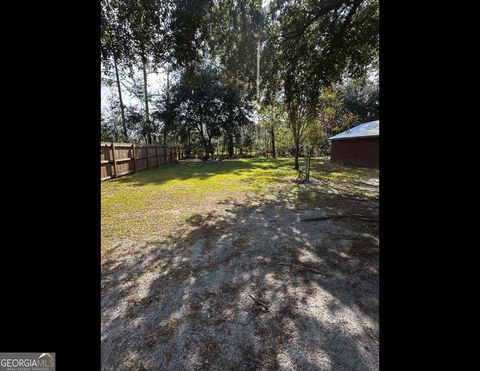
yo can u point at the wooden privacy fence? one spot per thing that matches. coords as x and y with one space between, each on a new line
117 159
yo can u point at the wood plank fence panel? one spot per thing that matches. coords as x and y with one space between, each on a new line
164 159
106 162
152 158
141 157
117 159
124 158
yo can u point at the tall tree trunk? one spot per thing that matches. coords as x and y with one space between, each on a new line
151 135
258 71
122 109
167 101
204 143
211 149
188 151
230 145
168 86
297 152
241 142
147 113
272 134
206 153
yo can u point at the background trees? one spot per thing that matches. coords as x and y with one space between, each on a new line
203 104
236 75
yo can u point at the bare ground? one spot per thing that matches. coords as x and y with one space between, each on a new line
249 286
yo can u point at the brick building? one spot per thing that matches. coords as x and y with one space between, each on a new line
357 146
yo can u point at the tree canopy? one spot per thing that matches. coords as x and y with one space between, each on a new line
203 104
239 74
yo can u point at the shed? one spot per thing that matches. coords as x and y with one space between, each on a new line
357 146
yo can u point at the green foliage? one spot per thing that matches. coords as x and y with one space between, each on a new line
361 99
204 104
187 31
310 46
234 30
109 128
273 116
284 140
333 117
318 41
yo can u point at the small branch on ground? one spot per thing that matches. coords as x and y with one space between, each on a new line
338 216
303 267
263 305
353 198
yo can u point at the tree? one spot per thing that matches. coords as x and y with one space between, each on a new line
271 118
237 110
114 48
188 32
146 34
203 103
146 28
312 45
361 99
134 120
235 29
301 109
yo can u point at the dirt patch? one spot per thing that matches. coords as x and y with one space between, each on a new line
242 241
364 249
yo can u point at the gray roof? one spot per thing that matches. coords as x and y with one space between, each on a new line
367 129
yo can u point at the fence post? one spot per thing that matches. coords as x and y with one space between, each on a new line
146 151
156 154
114 161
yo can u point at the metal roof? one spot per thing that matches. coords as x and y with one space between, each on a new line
367 129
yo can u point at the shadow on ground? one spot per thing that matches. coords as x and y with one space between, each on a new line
256 288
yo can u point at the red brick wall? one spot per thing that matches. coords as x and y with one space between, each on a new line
359 152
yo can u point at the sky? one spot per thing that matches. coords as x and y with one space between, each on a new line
156 82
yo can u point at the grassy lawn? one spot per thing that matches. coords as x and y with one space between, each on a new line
155 203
